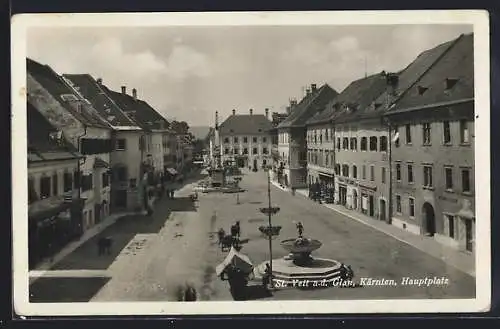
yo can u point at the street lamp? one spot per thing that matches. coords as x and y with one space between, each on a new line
270 211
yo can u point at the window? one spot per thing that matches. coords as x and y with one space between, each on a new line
254 139
398 204
326 135
32 195
345 143
226 140
264 150
466 180
363 171
105 179
363 143
133 182
235 139
226 151
320 138
464 132
264 140
67 182
410 173
326 158
245 151
408 134
382 172
337 169
354 172
55 185
331 158
87 182
451 226
44 187
427 176
448 177
254 150
338 143
373 143
398 172
383 143
120 144
396 136
245 139
354 143
236 150
411 207
345 170
426 133
446 132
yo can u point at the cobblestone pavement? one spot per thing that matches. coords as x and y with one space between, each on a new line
153 256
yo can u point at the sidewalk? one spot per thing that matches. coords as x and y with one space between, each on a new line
452 257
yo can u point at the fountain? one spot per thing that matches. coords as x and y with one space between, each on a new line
299 266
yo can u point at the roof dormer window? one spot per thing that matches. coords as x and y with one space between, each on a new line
450 83
421 90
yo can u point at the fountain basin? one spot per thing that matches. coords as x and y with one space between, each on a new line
304 245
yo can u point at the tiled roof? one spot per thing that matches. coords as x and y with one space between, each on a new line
356 96
56 86
245 124
147 117
106 107
456 65
42 141
309 106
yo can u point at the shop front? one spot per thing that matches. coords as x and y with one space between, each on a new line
53 223
367 194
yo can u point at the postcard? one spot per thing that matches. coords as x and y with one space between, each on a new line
251 163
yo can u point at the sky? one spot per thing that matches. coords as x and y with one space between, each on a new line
188 73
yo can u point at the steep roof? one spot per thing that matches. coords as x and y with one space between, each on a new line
356 96
309 106
106 107
42 141
245 124
141 112
451 78
56 86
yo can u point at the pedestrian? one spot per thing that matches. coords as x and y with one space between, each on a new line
266 278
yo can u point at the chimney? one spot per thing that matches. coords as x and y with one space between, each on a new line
251 111
234 111
124 90
134 93
313 88
99 81
267 113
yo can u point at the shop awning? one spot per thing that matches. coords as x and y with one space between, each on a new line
172 171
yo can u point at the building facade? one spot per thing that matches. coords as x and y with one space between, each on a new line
78 120
54 204
246 140
292 136
433 155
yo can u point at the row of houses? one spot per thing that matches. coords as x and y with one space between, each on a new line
92 151
398 147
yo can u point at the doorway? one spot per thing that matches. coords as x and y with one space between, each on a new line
264 163
240 162
429 219
468 235
382 210
371 206
354 199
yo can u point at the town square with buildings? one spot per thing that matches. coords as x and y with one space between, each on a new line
371 184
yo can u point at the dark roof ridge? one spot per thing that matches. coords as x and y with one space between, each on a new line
417 80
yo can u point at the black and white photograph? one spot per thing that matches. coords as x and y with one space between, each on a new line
251 162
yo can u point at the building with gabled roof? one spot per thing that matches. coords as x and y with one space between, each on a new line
292 144
246 140
127 141
432 122
82 124
54 209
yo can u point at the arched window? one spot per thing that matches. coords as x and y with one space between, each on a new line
354 171
383 143
363 143
373 143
